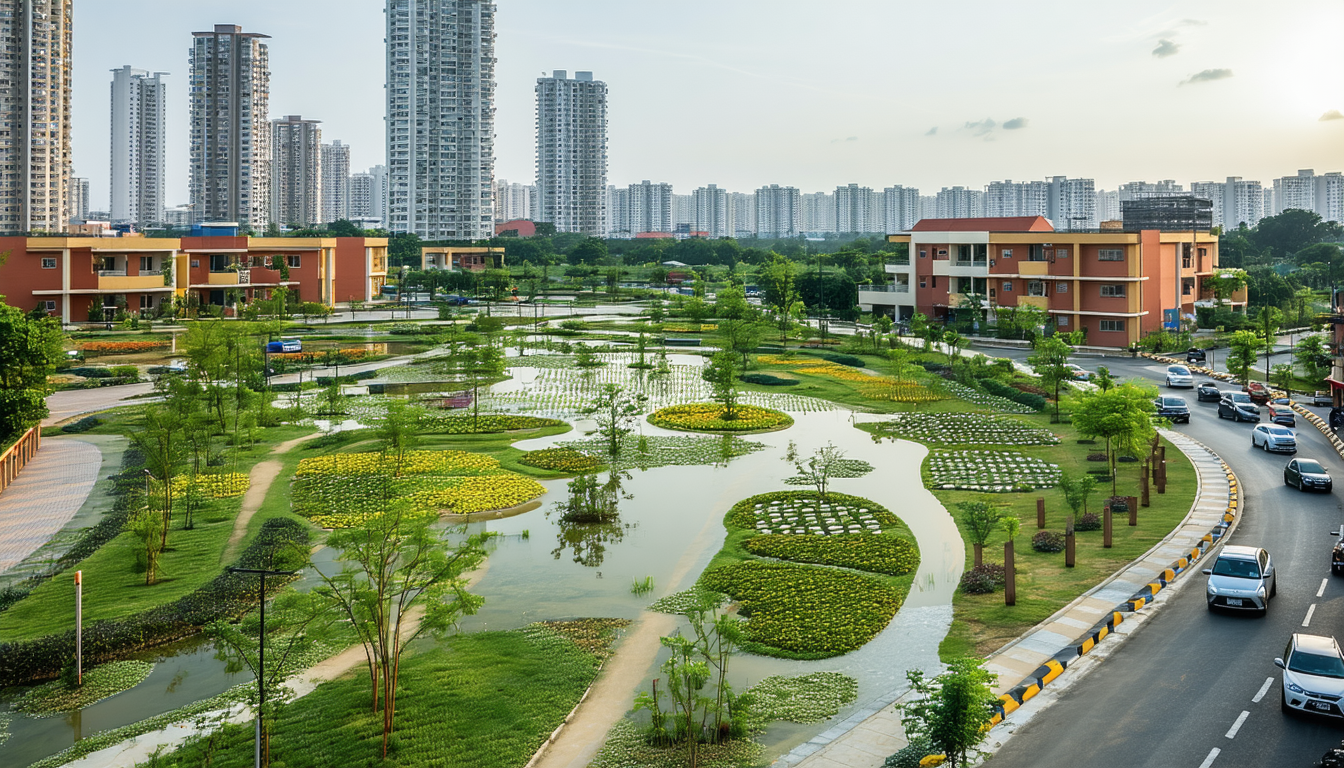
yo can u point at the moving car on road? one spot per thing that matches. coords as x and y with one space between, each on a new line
1209 392
1173 408
1179 376
1307 475
1238 407
1259 392
1195 356
1313 675
1242 578
1282 414
1272 437
1337 556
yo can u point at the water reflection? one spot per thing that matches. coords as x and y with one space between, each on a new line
589 521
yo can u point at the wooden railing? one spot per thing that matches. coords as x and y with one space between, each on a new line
19 454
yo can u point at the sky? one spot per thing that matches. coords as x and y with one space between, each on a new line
744 93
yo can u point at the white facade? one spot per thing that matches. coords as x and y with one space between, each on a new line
1330 196
35 112
516 201
138 138
683 211
713 212
79 200
1073 204
335 182
571 153
296 168
618 213
960 203
1295 192
230 130
1137 189
858 209
779 212
901 208
1108 205
818 213
177 217
441 118
1243 203
744 214
1214 192
649 208
1009 198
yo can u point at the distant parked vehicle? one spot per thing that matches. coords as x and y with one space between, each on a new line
1271 437
1078 372
1209 392
1195 356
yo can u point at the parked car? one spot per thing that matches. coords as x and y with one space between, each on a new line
1259 392
1282 414
1179 376
1241 578
1238 407
1173 408
1322 399
1307 475
1208 392
1078 372
1272 437
1313 675
285 346
1337 555
1195 356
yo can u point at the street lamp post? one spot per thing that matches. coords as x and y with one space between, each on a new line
261 650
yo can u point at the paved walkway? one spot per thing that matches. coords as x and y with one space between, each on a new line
76 402
868 737
48 493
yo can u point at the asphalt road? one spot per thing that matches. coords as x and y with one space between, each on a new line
1194 688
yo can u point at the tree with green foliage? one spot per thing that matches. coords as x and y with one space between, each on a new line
1290 232
817 470
1242 350
1284 377
1313 354
1103 378
953 710
697 309
147 526
1267 323
980 519
1050 361
1077 490
590 251
1328 258
1122 415
922 329
1227 282
721 374
30 348
162 441
954 342
703 707
399 433
397 568
480 363
616 411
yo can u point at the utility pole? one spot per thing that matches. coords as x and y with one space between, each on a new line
79 627
261 649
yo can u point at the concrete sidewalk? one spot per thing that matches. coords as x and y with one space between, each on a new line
870 735
47 494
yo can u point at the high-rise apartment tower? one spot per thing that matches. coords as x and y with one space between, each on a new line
297 172
572 152
138 130
335 182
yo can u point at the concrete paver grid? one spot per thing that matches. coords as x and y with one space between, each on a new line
47 494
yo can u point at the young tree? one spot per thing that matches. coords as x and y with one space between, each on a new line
1077 489
616 411
922 329
30 347
479 363
160 438
1121 415
721 373
1103 378
980 520
952 711
1284 377
399 433
1227 282
1314 357
1242 349
395 568
818 469
741 337
1050 361
1267 323
954 342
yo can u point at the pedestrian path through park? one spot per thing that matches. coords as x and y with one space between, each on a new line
46 495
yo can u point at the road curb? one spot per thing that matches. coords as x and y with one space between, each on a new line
1320 424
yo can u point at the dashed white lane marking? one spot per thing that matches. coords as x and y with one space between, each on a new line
1263 690
1307 621
1321 592
1213 755
1232 732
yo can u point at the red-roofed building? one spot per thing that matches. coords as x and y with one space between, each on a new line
519 227
1004 224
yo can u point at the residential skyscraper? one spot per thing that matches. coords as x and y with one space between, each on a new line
618 213
296 166
230 85
572 152
441 118
335 182
1108 205
650 208
713 212
1243 203
516 201
1073 204
380 186
79 199
779 212
1295 192
818 213
901 208
363 197
683 212
1136 189
857 209
1329 196
960 203
1009 198
1213 191
138 138
35 112
744 214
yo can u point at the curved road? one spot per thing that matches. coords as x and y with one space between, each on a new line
1193 688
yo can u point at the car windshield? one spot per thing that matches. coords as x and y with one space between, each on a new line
1240 397
1280 432
1177 370
1316 664
1173 401
1310 467
1237 569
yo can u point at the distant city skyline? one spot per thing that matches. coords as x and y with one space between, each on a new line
1241 88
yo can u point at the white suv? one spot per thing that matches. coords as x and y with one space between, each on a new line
1179 376
1313 675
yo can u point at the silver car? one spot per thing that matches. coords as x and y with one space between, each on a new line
1179 376
1242 578
1313 675
1272 437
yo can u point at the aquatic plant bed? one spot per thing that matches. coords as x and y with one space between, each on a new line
873 387
804 612
565 460
711 417
435 421
340 489
875 553
990 471
507 691
669 450
964 429
801 513
101 682
696 598
842 469
985 400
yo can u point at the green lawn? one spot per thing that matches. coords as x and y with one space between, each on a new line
486 700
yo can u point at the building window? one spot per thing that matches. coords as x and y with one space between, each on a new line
51 306
294 260
146 263
923 254
1035 288
195 263
1036 253
923 284
1061 287
1203 252
1113 291
1111 254
1061 253
1062 321
1113 326
1007 286
48 263
1007 253
146 301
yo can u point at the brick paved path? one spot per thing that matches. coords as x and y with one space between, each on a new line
49 491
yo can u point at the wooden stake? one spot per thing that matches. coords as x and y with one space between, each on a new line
1010 588
1040 513
1106 541
1068 543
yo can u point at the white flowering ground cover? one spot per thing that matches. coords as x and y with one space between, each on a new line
668 451
843 469
990 471
798 516
965 429
984 399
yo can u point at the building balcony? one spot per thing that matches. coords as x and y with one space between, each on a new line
129 284
887 288
239 277
1033 268
1039 302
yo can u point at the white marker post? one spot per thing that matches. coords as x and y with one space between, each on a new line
79 626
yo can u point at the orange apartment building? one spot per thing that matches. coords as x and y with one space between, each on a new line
1114 285
73 278
456 258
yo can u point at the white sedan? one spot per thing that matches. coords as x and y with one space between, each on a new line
1272 437
1180 376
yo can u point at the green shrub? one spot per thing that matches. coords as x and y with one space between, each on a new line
910 755
849 360
861 551
766 380
125 372
83 425
983 579
1048 541
999 389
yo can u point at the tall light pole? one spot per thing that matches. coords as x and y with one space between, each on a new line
261 650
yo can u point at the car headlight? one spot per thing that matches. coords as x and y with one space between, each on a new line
1261 591
1212 589
1295 688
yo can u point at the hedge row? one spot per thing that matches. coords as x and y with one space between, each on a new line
999 389
765 379
229 595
